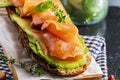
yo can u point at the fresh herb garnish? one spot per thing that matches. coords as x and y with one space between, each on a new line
33 67
59 13
44 6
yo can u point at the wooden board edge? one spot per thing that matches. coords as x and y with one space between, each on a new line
11 67
100 76
89 77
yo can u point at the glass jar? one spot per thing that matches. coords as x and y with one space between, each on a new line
86 12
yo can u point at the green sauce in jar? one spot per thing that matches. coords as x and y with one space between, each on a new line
86 12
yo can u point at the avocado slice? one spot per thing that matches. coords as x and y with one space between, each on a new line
36 47
5 3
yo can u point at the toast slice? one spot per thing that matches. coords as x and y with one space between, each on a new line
24 40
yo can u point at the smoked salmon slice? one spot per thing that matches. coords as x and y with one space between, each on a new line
58 48
65 31
40 18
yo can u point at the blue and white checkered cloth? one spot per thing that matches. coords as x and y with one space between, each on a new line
96 46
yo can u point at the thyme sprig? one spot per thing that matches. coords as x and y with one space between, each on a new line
33 67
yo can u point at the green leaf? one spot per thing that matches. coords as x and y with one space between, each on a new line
42 7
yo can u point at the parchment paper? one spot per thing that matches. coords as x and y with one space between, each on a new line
9 40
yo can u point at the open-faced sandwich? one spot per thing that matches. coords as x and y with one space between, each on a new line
49 35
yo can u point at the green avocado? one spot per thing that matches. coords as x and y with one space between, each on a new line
36 47
5 3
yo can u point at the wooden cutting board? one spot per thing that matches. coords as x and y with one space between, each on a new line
11 67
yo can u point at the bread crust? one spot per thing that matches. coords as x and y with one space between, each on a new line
62 72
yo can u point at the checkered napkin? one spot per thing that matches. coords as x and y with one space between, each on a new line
96 46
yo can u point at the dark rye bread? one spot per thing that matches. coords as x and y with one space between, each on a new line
24 40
